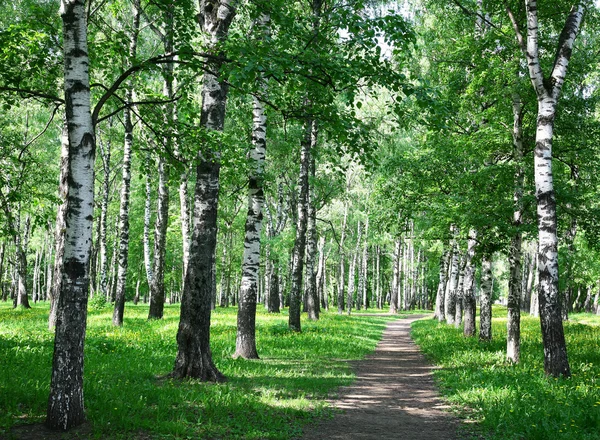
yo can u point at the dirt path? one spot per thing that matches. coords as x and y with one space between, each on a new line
393 397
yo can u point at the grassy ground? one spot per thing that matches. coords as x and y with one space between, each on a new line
126 398
518 402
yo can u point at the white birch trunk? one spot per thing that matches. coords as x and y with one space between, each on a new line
65 403
126 180
246 317
548 91
485 314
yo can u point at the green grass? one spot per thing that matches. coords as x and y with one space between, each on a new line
585 318
271 398
517 401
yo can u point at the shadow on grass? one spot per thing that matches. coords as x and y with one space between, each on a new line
517 401
267 399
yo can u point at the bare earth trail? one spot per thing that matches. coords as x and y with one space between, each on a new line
393 397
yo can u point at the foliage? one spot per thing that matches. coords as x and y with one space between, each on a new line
517 401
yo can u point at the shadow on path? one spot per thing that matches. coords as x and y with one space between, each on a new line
393 397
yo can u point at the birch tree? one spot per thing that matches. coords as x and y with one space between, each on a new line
194 358
65 403
126 178
245 345
548 91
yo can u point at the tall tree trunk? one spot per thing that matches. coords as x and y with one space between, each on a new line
470 305
378 278
459 302
534 308
548 90
147 226
126 185
245 344
485 313
60 229
362 280
301 225
65 403
194 357
395 276
439 299
450 295
352 271
2 254
341 252
22 298
105 152
513 322
321 292
312 297
157 288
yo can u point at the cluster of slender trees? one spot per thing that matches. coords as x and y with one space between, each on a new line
399 167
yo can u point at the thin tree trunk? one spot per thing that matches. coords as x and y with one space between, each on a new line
513 323
312 298
458 313
341 277
22 298
352 271
450 295
470 305
246 318
362 283
65 403
147 226
378 278
126 185
485 312
157 288
395 276
105 153
439 300
321 293
301 225
60 229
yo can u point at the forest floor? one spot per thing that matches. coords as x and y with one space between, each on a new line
393 397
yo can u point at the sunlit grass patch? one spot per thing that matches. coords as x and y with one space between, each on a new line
517 401
125 386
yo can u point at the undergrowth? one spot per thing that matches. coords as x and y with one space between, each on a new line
126 396
517 401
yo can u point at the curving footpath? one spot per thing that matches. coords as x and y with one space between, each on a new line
393 397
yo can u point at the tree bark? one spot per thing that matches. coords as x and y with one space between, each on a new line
147 226
450 295
548 90
470 305
126 185
341 252
105 152
440 301
459 302
352 271
246 318
485 312
312 297
65 403
22 297
157 288
194 357
395 276
301 225
513 322
59 231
